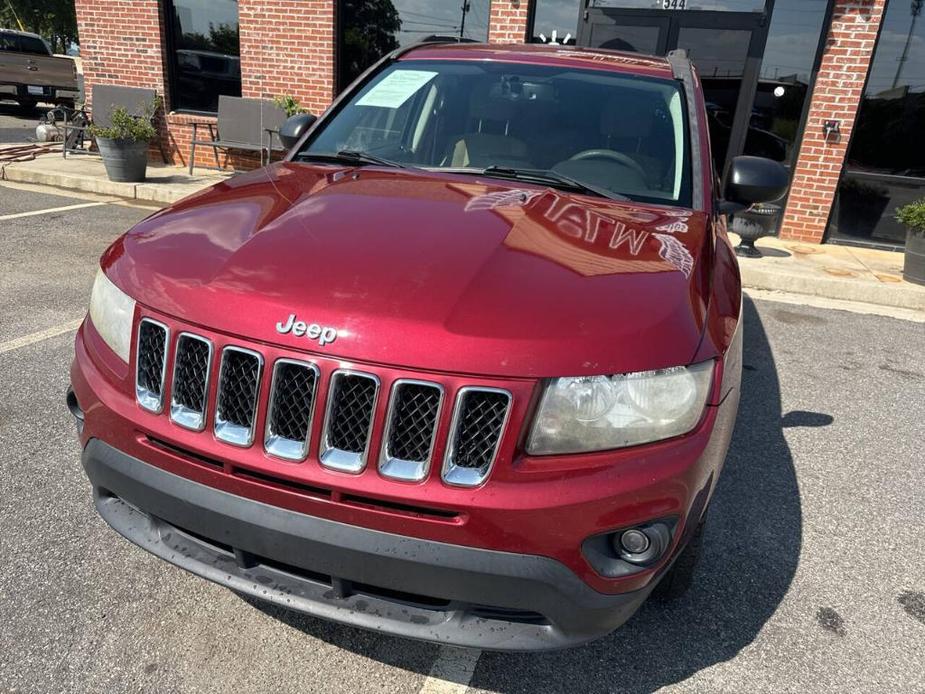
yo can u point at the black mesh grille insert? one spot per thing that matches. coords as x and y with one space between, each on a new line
294 394
237 392
190 372
351 412
152 341
414 418
481 419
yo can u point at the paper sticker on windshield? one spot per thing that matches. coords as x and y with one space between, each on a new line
396 88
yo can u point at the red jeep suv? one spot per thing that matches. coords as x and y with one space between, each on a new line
463 367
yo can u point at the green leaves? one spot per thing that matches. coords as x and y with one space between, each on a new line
125 126
912 215
54 20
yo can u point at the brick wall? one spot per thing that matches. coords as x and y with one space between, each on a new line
508 21
287 47
836 96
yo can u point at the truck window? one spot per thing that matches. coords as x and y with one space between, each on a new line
33 45
8 42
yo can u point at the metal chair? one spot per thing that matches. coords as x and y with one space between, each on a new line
245 124
106 98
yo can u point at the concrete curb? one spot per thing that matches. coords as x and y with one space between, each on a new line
148 191
894 295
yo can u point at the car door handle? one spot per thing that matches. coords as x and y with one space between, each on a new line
32 67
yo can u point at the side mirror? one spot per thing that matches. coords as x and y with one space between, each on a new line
751 180
294 127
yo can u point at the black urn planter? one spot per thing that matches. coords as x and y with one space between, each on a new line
755 223
125 160
914 261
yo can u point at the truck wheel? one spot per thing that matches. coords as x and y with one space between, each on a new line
678 580
27 105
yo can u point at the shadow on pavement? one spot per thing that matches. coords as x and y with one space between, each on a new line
751 553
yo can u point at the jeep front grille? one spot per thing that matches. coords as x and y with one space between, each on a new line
411 428
475 434
190 388
349 420
292 404
151 364
238 386
411 425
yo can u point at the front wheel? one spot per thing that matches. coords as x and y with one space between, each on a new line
680 576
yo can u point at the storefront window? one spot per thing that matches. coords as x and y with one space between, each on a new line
203 53
885 167
371 28
556 21
785 77
686 5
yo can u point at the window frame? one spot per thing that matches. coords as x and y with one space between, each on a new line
168 12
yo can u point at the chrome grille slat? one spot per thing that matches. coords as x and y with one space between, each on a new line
151 364
348 420
189 391
238 388
479 420
411 428
291 409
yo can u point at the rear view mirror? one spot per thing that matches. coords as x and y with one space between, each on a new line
294 127
751 180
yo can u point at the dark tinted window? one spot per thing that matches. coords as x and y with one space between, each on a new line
8 42
33 45
886 159
204 53
371 28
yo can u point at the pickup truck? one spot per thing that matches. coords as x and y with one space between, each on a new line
29 73
464 367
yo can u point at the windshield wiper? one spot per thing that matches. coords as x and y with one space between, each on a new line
353 157
550 176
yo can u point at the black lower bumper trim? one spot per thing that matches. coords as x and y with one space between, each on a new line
401 585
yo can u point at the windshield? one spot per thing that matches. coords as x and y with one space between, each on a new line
611 132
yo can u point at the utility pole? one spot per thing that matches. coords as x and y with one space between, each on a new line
462 24
916 11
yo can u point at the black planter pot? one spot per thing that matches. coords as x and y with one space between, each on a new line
759 221
125 160
914 261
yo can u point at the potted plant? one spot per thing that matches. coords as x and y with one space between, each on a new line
912 216
123 144
289 104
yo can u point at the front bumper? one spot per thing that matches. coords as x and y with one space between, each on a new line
368 578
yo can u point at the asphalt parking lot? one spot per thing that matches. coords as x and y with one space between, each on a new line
813 577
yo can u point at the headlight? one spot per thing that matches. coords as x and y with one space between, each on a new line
597 413
111 311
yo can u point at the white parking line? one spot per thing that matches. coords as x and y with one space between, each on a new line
49 210
31 339
451 671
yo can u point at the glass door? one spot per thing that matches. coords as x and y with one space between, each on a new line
725 43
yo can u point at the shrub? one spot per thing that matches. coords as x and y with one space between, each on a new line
289 104
912 215
125 126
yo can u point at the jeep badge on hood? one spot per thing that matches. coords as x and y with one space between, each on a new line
312 331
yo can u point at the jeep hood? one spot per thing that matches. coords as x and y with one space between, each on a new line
431 271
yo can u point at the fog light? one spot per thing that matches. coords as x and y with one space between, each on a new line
634 541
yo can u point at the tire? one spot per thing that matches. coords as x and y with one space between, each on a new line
677 581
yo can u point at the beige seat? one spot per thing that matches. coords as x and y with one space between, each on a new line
490 143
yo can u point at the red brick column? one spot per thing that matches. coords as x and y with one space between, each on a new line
508 20
287 47
836 96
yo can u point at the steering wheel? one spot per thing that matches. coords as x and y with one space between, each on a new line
617 157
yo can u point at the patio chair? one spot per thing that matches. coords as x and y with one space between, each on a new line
107 97
245 124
